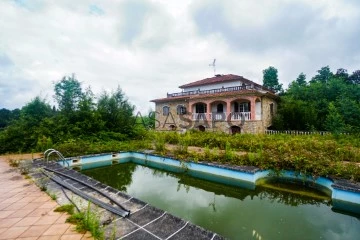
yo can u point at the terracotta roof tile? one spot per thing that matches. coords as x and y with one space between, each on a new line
220 79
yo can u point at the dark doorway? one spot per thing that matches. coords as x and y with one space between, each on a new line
235 130
201 128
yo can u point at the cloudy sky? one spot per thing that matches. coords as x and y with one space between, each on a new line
150 47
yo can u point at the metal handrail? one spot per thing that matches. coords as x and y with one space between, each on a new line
51 151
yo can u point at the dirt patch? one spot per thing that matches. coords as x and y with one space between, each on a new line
15 178
199 149
25 156
346 162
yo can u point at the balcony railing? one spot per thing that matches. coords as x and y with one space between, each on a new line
222 116
241 116
212 91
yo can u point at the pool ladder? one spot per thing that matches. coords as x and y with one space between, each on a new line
51 151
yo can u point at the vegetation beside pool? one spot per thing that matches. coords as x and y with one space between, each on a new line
83 124
335 156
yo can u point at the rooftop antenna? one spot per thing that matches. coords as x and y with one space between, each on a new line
214 66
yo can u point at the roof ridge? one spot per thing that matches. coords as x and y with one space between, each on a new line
217 79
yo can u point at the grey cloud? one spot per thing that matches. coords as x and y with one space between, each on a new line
287 27
133 15
144 24
295 34
5 61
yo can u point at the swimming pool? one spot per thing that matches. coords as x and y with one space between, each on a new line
271 210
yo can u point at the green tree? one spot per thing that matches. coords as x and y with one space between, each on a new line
5 117
323 76
350 111
116 112
23 134
87 119
301 79
68 94
334 122
270 79
355 77
342 74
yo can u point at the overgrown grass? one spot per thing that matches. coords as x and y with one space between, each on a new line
316 155
330 155
68 208
85 220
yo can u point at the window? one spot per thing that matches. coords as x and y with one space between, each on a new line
180 110
244 107
166 110
200 108
236 107
271 109
220 108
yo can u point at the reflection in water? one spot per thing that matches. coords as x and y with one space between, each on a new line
274 212
118 176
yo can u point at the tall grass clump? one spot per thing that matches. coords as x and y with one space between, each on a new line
159 143
87 221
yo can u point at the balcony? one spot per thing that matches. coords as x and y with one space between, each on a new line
212 91
235 116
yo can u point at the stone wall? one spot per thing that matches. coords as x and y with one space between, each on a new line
248 126
164 122
266 113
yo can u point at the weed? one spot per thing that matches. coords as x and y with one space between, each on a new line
14 163
25 167
207 152
52 195
42 183
68 208
87 221
229 154
160 144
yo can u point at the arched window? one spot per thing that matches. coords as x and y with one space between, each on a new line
166 110
180 110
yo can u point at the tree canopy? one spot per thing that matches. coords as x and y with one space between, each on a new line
329 102
270 79
79 114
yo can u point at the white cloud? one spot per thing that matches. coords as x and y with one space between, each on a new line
149 48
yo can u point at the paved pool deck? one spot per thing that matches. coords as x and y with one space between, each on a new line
28 213
144 222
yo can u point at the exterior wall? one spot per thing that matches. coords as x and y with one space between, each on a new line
185 121
213 86
266 114
164 122
248 126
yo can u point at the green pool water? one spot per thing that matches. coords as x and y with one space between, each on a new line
274 210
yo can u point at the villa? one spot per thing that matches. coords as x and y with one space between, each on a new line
228 103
